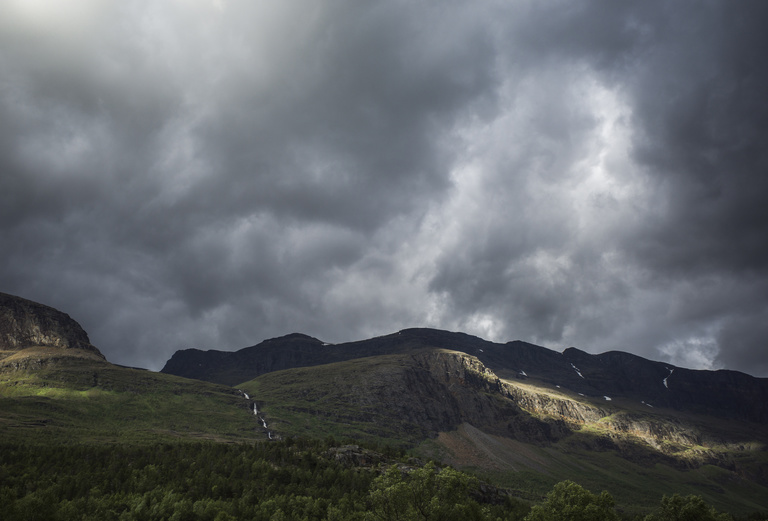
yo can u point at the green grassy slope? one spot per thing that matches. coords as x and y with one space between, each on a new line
345 400
361 399
76 399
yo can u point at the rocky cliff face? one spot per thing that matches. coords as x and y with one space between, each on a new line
25 324
474 395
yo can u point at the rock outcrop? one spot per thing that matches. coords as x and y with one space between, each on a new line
354 456
25 324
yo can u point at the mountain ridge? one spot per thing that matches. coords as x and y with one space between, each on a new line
723 393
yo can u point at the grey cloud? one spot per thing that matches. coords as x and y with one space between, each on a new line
695 153
215 174
743 341
702 116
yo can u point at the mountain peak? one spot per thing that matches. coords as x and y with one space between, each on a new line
293 337
575 352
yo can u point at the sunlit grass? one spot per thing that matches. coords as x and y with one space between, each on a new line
78 401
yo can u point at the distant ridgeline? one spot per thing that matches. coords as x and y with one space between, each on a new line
726 394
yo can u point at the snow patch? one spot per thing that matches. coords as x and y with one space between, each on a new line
577 370
523 372
648 404
607 398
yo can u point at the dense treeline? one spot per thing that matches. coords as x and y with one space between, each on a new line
293 479
209 481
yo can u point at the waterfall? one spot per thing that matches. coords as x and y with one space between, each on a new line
665 379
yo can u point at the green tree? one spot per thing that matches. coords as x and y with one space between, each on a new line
686 508
425 494
569 501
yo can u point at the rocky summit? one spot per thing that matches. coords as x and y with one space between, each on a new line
25 324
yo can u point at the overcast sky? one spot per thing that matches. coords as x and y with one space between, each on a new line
210 174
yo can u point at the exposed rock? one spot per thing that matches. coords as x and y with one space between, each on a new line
26 324
562 408
354 456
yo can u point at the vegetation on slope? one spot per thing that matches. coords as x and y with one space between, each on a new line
293 479
348 399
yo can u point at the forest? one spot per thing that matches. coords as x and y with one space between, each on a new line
294 479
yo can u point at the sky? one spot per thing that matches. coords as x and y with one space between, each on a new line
210 174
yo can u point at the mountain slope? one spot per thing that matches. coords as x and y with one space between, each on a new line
78 400
452 408
401 398
521 414
55 387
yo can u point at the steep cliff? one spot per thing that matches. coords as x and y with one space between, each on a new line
28 325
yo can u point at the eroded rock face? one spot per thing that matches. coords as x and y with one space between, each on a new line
481 399
24 324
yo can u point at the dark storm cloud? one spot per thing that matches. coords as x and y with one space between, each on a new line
682 233
702 123
211 174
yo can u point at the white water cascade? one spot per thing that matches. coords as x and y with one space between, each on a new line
665 379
